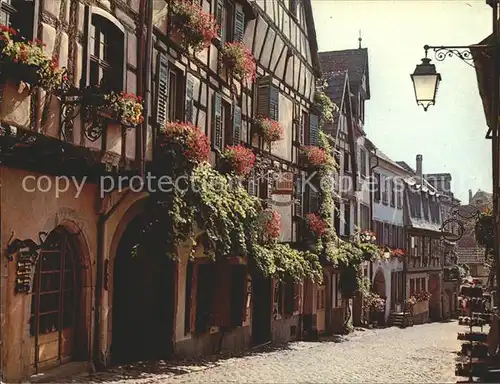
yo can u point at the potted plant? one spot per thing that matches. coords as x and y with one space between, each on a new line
314 156
270 130
239 159
270 223
127 108
194 27
184 142
238 59
367 237
484 229
26 61
315 224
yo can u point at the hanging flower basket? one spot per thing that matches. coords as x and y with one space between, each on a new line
270 130
484 230
194 27
126 108
186 140
26 61
240 159
238 59
314 156
315 224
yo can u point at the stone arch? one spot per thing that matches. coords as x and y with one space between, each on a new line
131 207
379 283
141 289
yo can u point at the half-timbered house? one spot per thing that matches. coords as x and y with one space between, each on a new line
346 73
424 269
70 290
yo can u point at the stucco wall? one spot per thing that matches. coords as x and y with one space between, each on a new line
24 215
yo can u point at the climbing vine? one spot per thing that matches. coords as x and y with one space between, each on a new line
328 110
204 205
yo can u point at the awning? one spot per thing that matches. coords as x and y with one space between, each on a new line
483 63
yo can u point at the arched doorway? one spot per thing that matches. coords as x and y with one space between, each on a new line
379 287
56 303
143 300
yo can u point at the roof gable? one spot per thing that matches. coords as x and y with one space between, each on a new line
354 61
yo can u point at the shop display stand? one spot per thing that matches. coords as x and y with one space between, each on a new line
474 350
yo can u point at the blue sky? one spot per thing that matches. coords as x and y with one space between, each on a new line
450 135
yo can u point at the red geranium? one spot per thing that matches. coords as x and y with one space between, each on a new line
315 155
398 252
239 59
270 130
193 140
272 223
195 27
316 224
241 158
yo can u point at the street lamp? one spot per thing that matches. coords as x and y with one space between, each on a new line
425 83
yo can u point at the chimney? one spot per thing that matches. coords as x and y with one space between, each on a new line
419 168
470 196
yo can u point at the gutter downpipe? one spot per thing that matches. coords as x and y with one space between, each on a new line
372 198
100 361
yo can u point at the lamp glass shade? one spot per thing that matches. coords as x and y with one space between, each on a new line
425 83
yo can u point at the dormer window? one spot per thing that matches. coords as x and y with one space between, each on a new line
106 51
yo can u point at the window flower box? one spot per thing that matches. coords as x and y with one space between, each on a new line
270 130
184 142
26 61
238 60
191 26
313 156
238 159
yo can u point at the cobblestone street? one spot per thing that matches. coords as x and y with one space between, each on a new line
420 354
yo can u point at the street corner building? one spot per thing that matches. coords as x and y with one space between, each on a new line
71 291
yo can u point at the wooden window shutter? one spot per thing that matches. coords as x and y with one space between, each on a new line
301 130
162 90
238 295
219 17
313 129
252 184
236 125
189 98
217 136
313 200
263 92
221 309
274 98
239 25
298 194
270 185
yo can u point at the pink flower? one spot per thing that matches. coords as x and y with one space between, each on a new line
239 60
315 155
196 146
270 130
315 223
241 158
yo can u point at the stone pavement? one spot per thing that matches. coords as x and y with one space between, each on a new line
419 354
